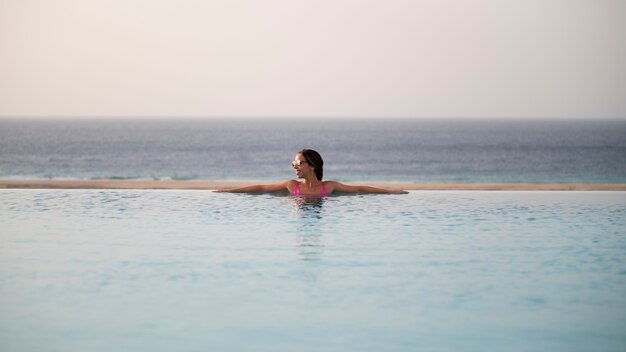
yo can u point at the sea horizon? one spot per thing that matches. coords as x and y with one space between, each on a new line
421 150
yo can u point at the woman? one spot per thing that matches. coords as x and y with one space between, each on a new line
309 166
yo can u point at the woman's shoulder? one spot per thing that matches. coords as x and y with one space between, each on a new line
330 185
292 184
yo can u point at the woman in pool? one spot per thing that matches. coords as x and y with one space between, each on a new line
309 166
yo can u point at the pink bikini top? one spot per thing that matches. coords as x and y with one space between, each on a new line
296 192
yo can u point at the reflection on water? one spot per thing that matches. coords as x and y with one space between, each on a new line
309 204
309 232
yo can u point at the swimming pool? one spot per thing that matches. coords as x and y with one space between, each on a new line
110 270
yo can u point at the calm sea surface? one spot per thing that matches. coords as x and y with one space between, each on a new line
353 150
108 270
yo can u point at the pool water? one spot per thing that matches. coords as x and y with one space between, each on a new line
111 270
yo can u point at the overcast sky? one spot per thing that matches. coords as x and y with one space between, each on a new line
293 58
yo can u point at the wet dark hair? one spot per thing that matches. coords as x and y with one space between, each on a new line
314 159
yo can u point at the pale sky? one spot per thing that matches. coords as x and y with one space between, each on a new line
293 58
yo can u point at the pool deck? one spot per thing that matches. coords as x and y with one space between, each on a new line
222 184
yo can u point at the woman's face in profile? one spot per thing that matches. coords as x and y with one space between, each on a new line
301 166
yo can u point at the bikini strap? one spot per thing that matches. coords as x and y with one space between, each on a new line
296 191
324 192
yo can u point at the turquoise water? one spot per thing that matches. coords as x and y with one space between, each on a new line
110 270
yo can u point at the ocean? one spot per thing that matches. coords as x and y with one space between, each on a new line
163 270
387 150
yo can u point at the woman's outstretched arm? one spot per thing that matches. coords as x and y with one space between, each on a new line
274 187
340 187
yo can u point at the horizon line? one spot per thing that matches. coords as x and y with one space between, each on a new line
282 117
